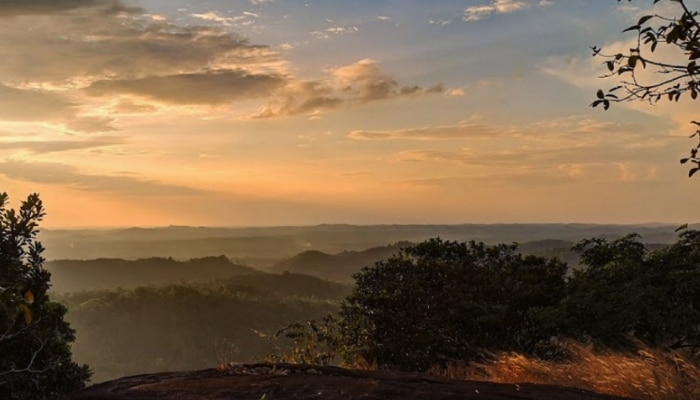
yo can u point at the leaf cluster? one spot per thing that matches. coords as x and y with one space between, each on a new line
34 338
675 78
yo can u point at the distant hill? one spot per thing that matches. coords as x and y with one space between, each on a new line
264 246
107 273
285 284
130 331
341 266
337 267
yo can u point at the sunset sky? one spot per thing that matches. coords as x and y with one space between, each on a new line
286 112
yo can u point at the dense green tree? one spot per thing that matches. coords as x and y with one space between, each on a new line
671 77
442 300
35 355
626 291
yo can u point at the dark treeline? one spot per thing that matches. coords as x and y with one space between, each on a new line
445 301
108 273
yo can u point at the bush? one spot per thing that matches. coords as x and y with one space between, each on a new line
34 338
442 300
628 291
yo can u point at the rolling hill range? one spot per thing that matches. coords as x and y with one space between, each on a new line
266 246
108 273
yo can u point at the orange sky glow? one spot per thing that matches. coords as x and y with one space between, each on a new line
273 112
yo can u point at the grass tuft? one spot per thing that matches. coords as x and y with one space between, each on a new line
648 374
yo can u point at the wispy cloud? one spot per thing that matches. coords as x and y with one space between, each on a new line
213 16
358 83
462 131
476 13
68 176
44 146
218 87
18 8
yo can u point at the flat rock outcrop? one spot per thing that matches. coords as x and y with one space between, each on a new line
286 382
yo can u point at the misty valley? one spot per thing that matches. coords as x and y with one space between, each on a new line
136 315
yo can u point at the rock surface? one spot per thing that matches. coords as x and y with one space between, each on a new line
284 382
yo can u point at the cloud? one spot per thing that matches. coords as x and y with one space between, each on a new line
85 58
68 176
216 87
129 106
213 16
536 157
580 128
77 48
357 83
13 8
54 146
28 105
476 13
335 30
462 131
90 124
572 146
524 177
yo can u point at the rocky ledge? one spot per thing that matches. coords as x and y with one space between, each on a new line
285 382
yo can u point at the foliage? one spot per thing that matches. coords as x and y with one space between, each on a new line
442 300
672 78
34 338
196 325
626 290
316 343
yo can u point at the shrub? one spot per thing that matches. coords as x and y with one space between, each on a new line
34 338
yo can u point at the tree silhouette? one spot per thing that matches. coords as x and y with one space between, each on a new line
35 361
672 79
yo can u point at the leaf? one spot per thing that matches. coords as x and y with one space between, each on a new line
684 160
644 19
611 65
29 297
622 70
682 227
632 61
27 313
673 36
632 28
692 172
599 94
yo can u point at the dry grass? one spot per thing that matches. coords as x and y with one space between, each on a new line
648 375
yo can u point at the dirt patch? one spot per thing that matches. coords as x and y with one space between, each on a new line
286 382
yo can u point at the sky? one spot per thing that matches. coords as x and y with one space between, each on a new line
286 112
